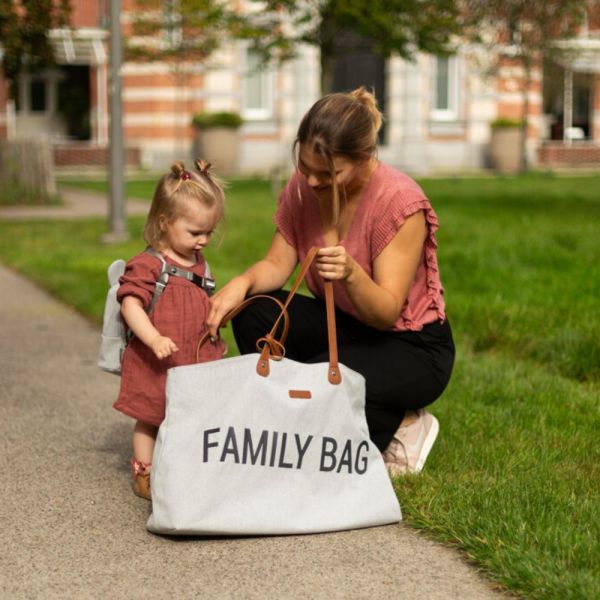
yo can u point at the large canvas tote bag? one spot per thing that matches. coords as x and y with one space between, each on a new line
260 444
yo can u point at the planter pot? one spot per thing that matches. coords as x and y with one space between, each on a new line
220 147
505 149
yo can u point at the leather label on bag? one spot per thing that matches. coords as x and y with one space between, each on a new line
283 450
301 394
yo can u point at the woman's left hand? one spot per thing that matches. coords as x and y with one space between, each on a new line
334 262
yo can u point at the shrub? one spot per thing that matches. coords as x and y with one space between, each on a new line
503 123
207 120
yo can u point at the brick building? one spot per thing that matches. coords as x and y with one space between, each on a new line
437 110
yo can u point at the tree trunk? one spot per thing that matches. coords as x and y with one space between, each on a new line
326 36
326 72
525 116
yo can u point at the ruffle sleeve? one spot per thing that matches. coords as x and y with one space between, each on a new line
400 208
139 279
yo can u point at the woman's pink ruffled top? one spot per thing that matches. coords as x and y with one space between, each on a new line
389 198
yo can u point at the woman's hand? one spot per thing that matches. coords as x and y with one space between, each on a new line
163 346
224 300
334 262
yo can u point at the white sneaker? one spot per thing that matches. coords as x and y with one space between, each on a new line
411 444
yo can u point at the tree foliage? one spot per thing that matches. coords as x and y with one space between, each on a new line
193 29
525 31
179 30
529 27
401 27
24 27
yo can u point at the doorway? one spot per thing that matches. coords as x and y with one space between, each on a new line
355 63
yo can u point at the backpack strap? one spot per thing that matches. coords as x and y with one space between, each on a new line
163 278
206 283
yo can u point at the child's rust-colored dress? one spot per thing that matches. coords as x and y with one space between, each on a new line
179 314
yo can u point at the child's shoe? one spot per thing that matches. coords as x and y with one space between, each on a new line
140 474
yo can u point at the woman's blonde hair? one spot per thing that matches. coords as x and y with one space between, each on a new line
341 124
176 190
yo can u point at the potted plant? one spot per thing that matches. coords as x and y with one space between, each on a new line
505 145
217 139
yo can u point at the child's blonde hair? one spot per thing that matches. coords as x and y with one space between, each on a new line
341 124
178 188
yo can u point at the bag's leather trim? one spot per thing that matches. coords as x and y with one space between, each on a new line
300 394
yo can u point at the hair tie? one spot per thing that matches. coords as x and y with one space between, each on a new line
185 175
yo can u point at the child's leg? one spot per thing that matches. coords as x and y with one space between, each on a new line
144 436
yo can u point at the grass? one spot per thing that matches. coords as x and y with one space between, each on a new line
513 479
69 259
508 248
141 188
519 258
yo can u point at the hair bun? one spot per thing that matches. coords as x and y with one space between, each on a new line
368 100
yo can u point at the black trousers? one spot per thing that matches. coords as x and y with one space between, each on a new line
403 370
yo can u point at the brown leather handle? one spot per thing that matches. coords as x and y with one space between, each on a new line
273 348
277 345
334 376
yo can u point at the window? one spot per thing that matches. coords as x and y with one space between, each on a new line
37 95
442 95
445 89
258 88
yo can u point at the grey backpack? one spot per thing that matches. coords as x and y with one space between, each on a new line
115 334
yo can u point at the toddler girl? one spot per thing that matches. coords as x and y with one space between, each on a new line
184 213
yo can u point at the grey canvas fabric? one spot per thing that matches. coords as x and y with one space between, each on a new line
243 454
114 332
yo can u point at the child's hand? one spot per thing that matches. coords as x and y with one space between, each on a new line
163 346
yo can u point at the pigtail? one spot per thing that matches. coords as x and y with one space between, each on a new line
203 166
216 184
177 169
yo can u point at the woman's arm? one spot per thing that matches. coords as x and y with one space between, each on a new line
138 321
379 300
266 275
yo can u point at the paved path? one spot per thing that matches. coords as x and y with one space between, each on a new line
77 204
72 528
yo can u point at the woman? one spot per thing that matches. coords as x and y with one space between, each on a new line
376 233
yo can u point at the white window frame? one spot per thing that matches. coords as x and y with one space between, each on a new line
451 113
265 79
50 81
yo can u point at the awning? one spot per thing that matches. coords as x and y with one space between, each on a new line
580 55
84 46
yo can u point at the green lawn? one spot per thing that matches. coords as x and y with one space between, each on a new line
514 478
140 188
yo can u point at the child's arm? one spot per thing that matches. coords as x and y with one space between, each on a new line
137 320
